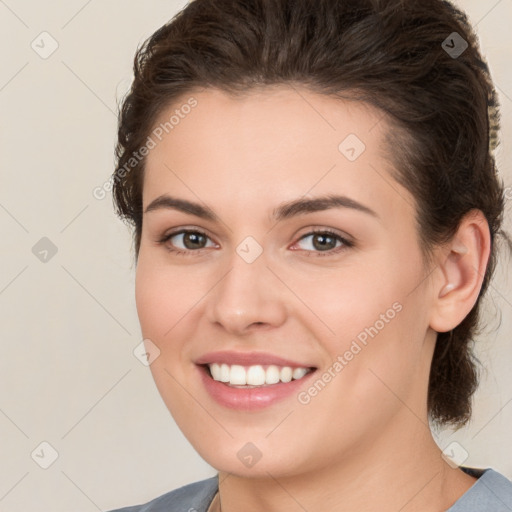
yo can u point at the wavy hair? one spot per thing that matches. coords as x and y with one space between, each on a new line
408 58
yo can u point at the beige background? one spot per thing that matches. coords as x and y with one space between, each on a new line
69 327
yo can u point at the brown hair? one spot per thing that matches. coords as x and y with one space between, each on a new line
397 55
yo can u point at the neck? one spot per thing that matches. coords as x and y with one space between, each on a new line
414 478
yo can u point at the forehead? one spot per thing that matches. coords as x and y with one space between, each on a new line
276 143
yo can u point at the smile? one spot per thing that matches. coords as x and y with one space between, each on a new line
251 381
255 375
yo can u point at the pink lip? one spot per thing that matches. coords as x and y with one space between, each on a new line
249 399
248 359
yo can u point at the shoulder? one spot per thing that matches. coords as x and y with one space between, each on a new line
195 497
492 491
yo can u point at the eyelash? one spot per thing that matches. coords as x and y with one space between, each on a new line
346 244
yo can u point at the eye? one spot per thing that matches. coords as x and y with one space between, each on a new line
324 241
186 241
321 242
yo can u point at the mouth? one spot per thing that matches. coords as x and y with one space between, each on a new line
250 381
255 376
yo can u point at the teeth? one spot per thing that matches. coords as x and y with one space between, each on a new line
298 373
237 375
224 373
215 371
256 375
272 375
286 374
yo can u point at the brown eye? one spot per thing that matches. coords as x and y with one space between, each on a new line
323 241
193 240
186 240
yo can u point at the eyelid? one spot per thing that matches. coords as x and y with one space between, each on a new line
310 230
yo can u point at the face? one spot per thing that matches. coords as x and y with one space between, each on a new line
276 246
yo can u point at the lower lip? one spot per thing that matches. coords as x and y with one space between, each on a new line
249 399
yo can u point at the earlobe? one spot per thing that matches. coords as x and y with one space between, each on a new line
461 268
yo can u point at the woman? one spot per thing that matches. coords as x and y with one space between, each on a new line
316 211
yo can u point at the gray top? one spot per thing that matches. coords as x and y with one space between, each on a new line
491 492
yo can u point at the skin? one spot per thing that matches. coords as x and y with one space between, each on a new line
363 442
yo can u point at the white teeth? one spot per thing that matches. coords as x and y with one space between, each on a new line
237 375
273 375
255 375
298 373
224 373
215 369
286 374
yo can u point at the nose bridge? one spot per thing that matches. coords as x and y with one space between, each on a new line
246 295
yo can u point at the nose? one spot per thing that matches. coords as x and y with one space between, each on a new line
248 297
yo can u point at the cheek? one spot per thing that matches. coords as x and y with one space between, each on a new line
163 298
154 307
373 326
162 301
346 301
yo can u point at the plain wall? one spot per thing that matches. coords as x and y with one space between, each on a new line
69 324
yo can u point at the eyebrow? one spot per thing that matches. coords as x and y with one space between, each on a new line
283 211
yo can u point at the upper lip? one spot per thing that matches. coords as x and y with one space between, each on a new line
248 359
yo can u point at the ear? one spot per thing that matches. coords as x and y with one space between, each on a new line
462 263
